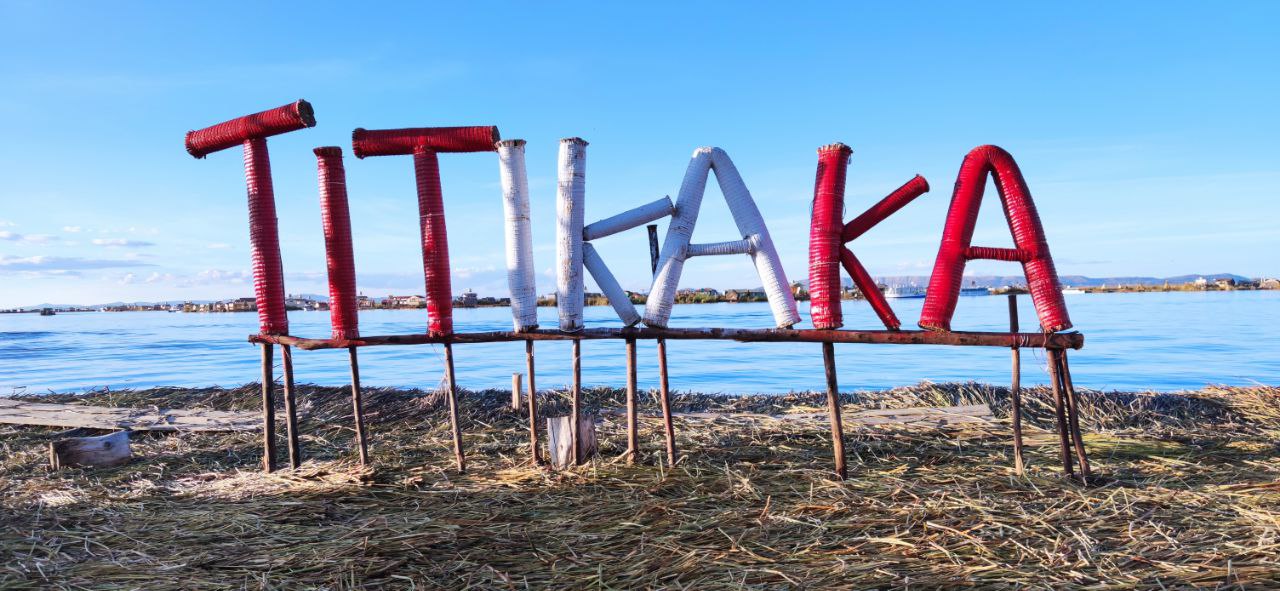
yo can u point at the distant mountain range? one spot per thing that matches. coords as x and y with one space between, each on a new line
891 280
1067 280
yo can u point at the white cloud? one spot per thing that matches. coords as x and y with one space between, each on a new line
72 229
59 265
6 224
122 242
26 238
216 277
127 279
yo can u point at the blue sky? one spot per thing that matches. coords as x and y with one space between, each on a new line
1147 132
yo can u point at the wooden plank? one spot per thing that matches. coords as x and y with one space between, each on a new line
922 415
24 412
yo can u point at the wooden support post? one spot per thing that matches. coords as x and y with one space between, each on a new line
534 453
357 408
664 394
1064 433
1015 391
575 424
633 430
453 408
290 410
268 411
516 391
103 451
833 409
561 443
1073 416
653 247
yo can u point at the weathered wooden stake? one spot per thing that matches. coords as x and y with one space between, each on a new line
833 409
1015 391
268 411
561 443
576 403
1064 433
453 408
103 451
290 410
357 408
664 394
633 430
534 453
654 251
1073 417
516 390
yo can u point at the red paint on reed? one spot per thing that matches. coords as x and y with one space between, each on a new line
435 242
824 236
1031 246
402 142
869 289
424 143
886 207
827 237
264 239
227 134
335 217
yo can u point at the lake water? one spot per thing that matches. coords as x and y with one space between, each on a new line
1140 341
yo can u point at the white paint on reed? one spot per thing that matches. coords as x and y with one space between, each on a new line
746 217
743 246
521 277
627 220
570 198
609 285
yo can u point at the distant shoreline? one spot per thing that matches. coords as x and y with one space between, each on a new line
695 297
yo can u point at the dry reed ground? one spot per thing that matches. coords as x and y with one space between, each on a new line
1189 495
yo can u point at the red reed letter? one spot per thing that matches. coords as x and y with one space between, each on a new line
1031 247
827 238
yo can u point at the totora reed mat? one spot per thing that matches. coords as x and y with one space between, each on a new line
1188 495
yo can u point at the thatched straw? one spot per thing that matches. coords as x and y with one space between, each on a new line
1189 496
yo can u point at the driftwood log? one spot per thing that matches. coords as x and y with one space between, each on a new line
560 440
102 451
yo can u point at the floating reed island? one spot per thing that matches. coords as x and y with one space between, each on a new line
1186 492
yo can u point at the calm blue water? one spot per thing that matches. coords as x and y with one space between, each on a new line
1159 341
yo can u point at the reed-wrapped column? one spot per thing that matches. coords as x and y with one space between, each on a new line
519 239
570 203
344 319
825 226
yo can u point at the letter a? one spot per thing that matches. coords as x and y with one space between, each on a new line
1030 246
755 240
